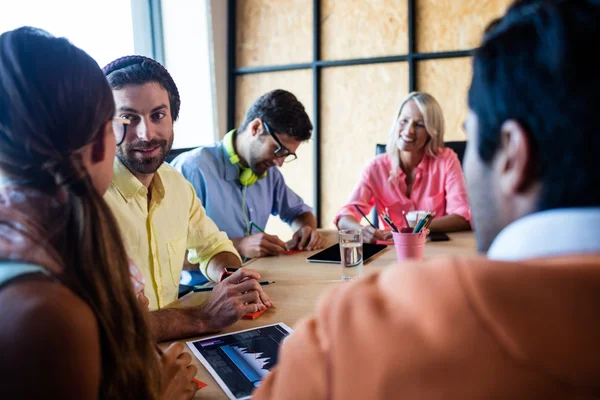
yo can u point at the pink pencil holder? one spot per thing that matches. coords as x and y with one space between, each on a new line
409 245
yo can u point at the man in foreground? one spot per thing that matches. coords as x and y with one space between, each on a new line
520 323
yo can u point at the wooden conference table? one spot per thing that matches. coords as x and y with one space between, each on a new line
299 285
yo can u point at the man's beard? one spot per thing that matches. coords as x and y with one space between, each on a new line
254 163
144 165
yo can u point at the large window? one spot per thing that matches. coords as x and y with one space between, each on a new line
102 28
175 33
185 26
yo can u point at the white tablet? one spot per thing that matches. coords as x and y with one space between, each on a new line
240 360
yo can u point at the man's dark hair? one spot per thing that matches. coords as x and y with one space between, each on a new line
535 66
139 70
282 111
511 11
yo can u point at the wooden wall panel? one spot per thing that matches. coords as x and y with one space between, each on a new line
448 81
363 28
444 25
359 104
273 32
298 174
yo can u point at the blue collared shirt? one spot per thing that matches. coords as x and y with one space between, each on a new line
216 181
549 233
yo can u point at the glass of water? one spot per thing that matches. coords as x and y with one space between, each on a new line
351 253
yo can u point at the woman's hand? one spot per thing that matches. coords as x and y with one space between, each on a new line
372 235
177 374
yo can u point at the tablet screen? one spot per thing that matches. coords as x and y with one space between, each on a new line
240 360
332 253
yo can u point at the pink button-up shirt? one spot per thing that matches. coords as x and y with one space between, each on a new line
439 186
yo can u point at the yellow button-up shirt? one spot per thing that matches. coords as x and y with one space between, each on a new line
157 233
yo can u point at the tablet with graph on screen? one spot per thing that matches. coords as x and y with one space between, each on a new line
240 360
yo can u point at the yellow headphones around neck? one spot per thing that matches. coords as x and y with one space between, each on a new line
247 176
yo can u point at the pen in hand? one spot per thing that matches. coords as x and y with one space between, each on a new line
363 214
210 288
258 228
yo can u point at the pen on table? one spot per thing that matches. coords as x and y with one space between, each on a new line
210 288
363 214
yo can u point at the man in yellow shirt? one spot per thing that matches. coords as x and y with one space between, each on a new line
159 213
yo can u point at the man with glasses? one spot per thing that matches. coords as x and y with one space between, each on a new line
238 185
159 214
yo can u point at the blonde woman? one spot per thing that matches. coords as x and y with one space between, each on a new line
416 173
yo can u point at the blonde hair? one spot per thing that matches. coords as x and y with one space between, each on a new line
434 124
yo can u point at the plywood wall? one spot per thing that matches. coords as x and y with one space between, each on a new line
359 104
448 81
273 32
298 174
443 25
363 28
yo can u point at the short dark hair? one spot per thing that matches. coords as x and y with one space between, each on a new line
283 112
511 10
139 70
535 67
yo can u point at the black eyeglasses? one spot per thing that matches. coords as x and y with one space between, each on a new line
282 151
120 129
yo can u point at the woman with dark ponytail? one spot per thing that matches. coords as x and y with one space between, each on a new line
70 325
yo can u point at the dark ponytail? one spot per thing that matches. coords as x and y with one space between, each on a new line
54 100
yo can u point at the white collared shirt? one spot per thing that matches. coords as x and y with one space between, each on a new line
549 233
